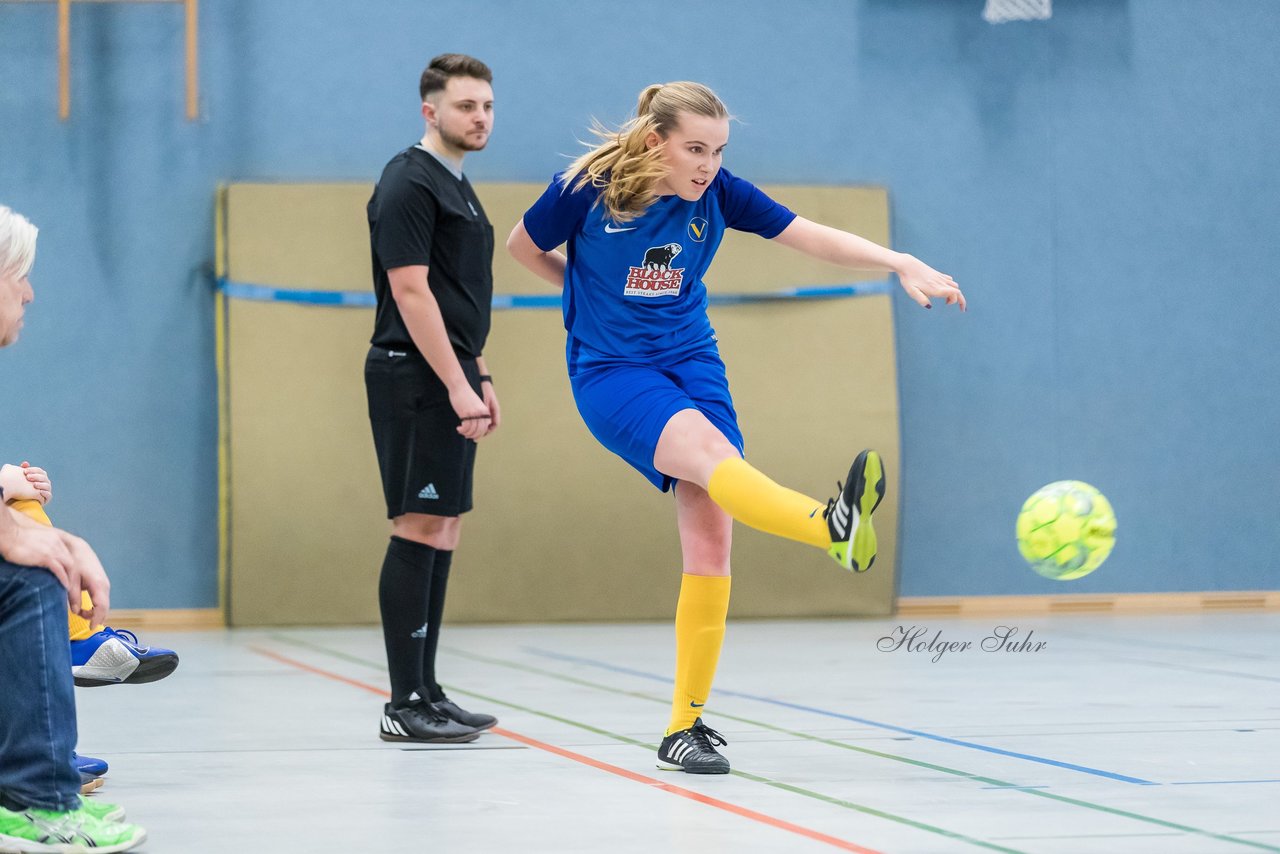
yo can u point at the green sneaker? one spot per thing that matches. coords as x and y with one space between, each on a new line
102 811
848 515
76 832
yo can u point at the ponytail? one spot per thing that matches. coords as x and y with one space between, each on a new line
622 166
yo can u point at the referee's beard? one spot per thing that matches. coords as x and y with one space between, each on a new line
462 142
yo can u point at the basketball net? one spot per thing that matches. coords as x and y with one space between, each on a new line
1001 11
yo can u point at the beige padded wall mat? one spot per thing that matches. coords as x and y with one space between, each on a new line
562 530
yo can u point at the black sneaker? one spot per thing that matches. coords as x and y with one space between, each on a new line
420 722
693 751
848 515
454 712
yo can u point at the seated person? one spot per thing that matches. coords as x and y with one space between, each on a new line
100 655
42 572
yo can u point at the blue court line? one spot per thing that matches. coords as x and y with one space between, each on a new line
1212 671
1186 647
365 299
1219 782
1083 769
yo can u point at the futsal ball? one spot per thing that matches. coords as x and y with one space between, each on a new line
1066 530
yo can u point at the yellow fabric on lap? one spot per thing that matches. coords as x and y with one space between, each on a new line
77 626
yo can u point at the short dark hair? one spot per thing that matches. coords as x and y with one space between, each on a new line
447 65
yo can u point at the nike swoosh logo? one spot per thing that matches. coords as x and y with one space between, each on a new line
696 705
609 229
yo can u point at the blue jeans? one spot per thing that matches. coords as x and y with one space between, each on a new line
37 704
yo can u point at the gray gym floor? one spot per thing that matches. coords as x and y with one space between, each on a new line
1120 734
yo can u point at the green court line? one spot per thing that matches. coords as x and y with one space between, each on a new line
1003 784
806 736
978 778
653 747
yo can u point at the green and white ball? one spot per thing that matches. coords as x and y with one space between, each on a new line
1066 530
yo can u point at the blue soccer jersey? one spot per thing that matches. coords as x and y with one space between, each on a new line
635 289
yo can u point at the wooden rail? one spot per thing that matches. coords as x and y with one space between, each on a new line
192 45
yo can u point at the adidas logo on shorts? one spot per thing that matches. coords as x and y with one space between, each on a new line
429 491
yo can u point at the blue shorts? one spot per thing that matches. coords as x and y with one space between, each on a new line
626 403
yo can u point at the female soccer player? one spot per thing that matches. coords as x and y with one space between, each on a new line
643 213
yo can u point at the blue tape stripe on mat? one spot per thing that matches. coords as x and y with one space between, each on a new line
262 293
365 299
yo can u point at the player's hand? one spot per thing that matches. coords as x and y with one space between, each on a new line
472 412
18 483
491 401
92 578
42 546
921 282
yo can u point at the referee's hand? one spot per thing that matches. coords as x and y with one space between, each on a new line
491 401
473 414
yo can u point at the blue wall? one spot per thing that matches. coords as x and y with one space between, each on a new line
1106 186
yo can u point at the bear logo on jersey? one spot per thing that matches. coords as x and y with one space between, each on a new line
660 257
654 277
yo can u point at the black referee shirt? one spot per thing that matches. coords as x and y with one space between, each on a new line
421 214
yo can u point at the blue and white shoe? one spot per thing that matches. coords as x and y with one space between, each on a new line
91 772
89 766
114 657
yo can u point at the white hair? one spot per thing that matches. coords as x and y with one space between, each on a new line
17 243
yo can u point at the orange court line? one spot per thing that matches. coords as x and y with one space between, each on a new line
744 812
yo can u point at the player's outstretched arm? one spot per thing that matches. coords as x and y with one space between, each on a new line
545 265
918 279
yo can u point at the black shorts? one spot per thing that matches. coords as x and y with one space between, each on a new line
426 465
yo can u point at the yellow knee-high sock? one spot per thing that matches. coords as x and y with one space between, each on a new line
77 626
749 496
700 618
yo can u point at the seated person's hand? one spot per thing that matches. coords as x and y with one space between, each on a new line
42 546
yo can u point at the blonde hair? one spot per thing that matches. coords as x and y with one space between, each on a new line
621 166
17 243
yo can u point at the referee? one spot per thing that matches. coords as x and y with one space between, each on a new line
430 395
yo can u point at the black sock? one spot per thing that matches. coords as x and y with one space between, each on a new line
435 612
403 592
